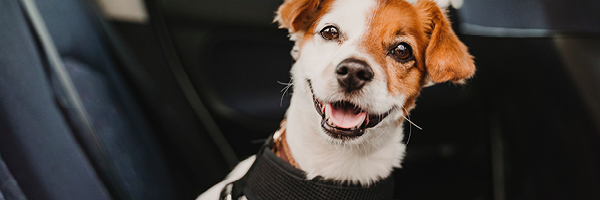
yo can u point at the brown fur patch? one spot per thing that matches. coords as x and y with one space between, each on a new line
446 57
299 15
295 14
436 48
394 22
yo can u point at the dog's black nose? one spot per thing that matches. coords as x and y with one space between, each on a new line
353 74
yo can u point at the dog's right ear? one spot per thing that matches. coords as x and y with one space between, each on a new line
446 57
296 15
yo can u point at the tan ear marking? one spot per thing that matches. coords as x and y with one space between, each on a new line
446 57
294 14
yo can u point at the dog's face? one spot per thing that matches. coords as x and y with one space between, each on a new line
365 61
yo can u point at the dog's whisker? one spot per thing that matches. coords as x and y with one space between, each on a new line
409 121
284 90
283 83
409 134
409 127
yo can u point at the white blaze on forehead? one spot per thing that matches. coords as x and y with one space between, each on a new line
320 57
350 16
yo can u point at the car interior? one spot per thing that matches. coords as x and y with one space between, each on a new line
163 105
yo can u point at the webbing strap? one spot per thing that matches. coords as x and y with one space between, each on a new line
272 178
56 64
69 98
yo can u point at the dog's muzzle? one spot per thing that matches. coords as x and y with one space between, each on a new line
344 120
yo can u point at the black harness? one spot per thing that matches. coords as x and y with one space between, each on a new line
272 178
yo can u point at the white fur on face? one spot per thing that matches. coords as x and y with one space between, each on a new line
369 157
320 57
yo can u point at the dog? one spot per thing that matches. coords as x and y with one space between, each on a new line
360 65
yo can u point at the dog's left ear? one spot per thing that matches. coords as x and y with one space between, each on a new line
446 57
295 14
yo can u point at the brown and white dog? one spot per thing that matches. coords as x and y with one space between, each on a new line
361 64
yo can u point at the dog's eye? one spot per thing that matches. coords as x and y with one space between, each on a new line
403 52
330 33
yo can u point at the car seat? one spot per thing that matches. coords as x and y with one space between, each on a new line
77 117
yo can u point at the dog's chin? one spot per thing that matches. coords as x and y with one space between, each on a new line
343 120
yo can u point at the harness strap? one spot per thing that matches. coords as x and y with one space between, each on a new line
235 190
272 178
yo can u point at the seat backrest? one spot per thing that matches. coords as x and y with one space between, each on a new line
35 139
47 151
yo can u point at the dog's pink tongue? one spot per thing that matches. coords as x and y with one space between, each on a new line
344 117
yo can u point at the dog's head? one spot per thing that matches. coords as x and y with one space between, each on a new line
365 61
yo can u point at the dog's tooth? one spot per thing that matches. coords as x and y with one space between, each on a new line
363 120
329 122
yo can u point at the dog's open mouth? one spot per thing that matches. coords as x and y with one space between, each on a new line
344 120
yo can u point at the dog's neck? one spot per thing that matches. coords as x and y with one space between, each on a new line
281 147
365 162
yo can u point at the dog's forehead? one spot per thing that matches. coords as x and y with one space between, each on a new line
355 17
351 16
